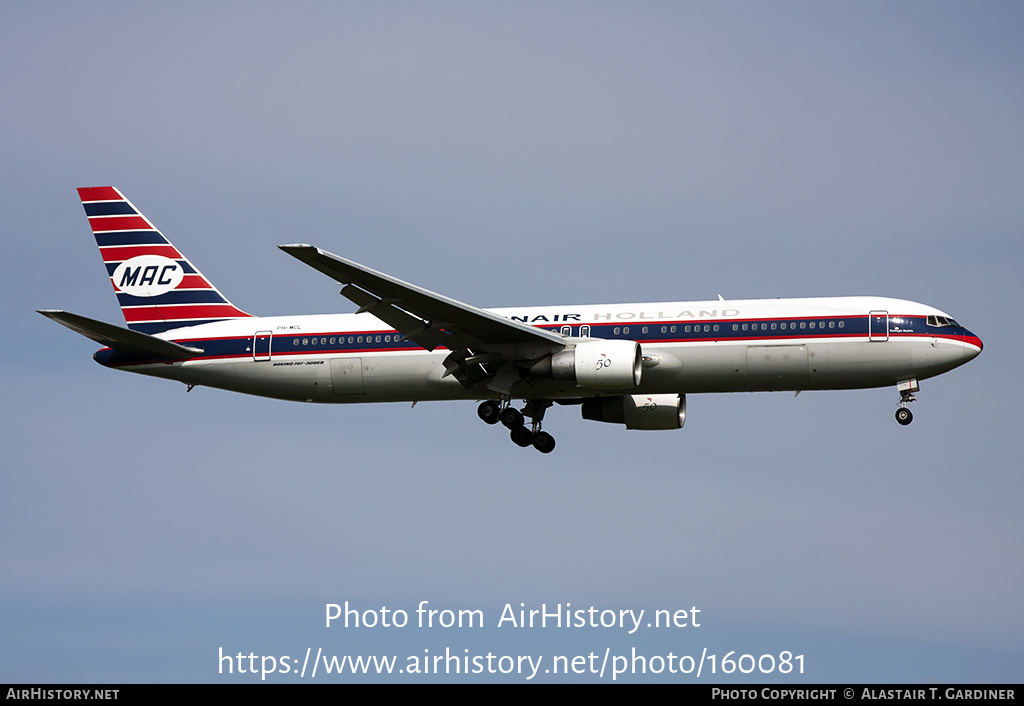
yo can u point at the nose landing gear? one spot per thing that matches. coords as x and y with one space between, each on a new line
907 389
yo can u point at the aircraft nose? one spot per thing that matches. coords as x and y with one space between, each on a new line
972 346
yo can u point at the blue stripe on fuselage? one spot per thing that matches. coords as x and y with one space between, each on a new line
288 344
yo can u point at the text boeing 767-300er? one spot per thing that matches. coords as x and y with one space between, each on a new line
630 364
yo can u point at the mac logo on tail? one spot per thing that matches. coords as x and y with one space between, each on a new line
147 276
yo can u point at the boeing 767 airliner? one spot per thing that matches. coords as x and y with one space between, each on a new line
629 364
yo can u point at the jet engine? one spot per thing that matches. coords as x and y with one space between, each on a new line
638 411
600 365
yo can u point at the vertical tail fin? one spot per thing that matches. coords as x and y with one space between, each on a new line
157 287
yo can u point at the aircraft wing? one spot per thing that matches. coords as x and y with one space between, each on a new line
428 318
120 339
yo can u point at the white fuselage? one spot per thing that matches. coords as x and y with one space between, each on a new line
688 347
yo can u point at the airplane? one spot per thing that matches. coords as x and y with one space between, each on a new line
626 364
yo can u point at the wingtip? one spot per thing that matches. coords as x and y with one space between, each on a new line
300 251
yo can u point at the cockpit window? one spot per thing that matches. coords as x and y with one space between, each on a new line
942 321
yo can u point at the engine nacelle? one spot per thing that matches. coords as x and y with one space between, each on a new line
599 365
651 412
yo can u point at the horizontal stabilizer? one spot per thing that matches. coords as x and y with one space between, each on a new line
120 339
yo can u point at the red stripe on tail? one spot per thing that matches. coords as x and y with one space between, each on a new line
171 312
100 225
120 253
99 193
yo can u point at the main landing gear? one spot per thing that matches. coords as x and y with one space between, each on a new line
907 389
493 412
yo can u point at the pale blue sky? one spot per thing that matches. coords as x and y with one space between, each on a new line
508 155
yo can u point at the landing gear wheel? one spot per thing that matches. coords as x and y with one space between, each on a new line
521 436
544 442
511 418
489 411
904 416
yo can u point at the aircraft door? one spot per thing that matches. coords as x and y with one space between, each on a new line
261 345
878 326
